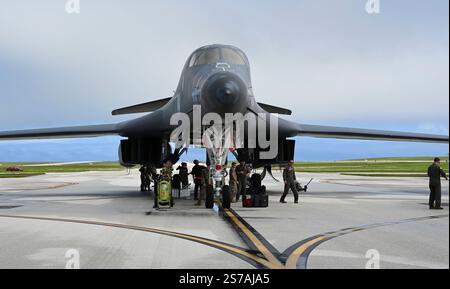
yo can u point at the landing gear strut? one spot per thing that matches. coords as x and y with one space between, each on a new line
217 155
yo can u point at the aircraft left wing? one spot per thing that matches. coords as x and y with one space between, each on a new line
365 134
142 107
275 109
61 132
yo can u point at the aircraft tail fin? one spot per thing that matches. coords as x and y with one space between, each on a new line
143 107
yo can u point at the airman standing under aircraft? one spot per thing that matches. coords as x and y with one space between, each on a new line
206 180
289 182
242 172
144 178
435 173
197 175
233 182
151 172
184 174
167 170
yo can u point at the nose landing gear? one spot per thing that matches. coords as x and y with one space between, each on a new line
217 156
218 191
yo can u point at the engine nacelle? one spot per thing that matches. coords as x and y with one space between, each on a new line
121 162
148 152
286 151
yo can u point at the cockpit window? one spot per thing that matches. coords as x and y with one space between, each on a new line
215 55
193 59
231 56
209 56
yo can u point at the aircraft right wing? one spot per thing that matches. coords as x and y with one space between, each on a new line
61 132
368 134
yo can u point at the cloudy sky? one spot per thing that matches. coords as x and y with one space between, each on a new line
329 61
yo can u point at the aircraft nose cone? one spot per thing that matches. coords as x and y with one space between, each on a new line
224 92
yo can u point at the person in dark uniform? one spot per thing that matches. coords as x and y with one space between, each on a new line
233 182
206 180
153 174
242 172
289 182
435 173
184 174
197 175
144 177
148 178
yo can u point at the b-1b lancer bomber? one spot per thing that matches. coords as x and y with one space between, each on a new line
213 100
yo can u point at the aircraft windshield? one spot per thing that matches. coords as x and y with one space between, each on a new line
215 55
209 56
231 56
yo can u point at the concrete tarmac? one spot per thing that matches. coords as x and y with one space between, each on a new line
341 222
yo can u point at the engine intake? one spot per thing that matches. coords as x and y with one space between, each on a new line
149 152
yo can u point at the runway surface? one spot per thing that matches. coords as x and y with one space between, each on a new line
341 222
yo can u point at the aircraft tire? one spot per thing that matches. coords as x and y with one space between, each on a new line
209 198
226 197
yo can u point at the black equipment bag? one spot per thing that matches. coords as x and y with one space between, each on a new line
251 191
256 180
261 190
261 200
256 191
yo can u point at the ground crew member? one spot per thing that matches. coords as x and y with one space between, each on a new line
242 175
148 178
233 182
197 176
143 172
435 173
167 169
184 173
205 181
151 171
289 182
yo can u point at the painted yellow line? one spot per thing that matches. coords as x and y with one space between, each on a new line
292 261
156 231
206 241
275 263
229 248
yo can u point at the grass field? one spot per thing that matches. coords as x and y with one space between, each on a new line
382 175
30 169
381 167
407 166
365 167
410 159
